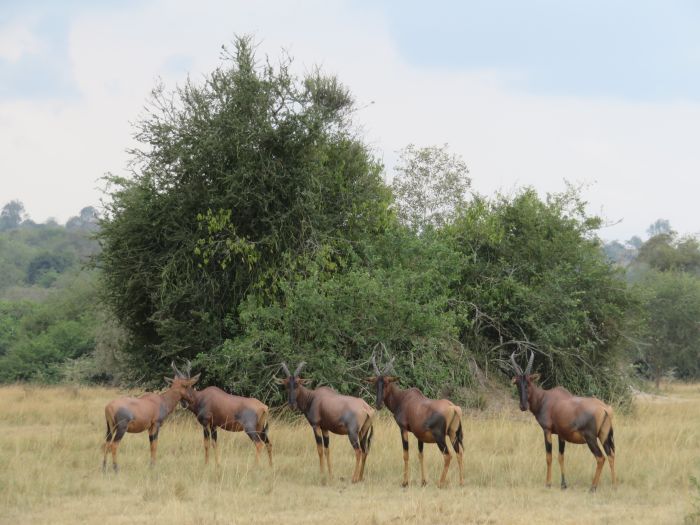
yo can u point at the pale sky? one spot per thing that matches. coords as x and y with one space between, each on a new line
603 92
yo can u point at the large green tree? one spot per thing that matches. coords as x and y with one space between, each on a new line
238 179
533 277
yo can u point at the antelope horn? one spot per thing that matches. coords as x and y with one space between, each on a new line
188 368
518 370
374 365
529 363
177 372
298 370
285 369
389 367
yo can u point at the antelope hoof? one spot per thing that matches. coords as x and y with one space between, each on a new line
423 483
564 486
592 490
548 485
116 468
404 484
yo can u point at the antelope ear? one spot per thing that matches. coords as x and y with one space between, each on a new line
194 379
514 380
390 379
280 381
372 379
534 377
168 380
303 381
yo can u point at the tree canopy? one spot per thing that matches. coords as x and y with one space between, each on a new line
239 180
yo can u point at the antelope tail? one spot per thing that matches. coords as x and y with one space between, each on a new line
111 430
262 420
605 425
453 423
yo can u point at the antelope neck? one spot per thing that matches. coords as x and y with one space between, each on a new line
304 397
170 399
535 396
393 396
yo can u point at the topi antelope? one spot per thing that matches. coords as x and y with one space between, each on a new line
430 420
327 411
214 409
573 419
136 414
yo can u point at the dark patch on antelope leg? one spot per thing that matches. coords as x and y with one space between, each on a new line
268 445
327 451
366 441
319 447
562 444
121 420
214 444
422 464
248 419
609 447
404 443
153 440
548 447
437 425
592 442
206 442
548 450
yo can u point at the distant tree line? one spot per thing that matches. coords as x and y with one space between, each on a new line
49 300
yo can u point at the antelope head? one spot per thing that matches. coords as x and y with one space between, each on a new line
183 383
292 382
523 379
381 379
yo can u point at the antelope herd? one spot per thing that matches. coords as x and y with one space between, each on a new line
573 419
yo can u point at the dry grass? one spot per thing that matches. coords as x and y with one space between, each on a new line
50 470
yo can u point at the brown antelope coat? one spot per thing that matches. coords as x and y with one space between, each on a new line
214 409
572 418
327 411
137 414
430 420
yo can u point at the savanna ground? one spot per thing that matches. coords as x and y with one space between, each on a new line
50 470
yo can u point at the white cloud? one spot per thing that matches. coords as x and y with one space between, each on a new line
642 157
18 40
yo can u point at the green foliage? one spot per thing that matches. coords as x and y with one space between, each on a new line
37 338
533 277
398 303
667 330
239 176
48 301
